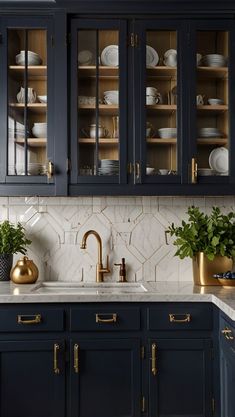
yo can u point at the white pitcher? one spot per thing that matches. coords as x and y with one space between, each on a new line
31 95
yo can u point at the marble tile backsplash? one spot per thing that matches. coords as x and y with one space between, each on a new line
130 227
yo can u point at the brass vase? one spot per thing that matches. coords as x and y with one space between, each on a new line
203 268
24 272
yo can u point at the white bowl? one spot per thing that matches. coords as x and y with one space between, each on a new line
206 171
163 171
39 131
20 60
215 101
167 132
42 99
149 170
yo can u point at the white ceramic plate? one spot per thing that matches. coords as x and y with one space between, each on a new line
218 160
85 57
152 57
109 56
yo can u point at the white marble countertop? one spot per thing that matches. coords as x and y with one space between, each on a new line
222 297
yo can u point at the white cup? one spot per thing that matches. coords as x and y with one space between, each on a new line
163 171
151 100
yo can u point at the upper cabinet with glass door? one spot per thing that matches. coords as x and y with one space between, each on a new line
98 117
212 102
28 147
160 122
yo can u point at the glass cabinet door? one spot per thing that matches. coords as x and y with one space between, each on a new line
28 130
212 105
98 108
159 102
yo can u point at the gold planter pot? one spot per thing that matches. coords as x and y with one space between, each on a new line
203 268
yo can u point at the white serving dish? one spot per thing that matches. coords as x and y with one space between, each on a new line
42 99
167 132
218 160
152 57
110 56
215 101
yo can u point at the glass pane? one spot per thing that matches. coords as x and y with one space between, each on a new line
27 113
212 103
98 102
161 102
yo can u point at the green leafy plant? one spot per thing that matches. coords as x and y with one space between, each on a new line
212 234
12 238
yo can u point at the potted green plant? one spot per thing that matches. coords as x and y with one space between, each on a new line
209 240
12 240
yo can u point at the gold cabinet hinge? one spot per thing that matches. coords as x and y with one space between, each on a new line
142 352
68 165
213 406
143 404
134 40
129 168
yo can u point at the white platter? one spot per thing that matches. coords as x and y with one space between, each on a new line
109 56
152 57
218 160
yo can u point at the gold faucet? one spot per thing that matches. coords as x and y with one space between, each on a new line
100 271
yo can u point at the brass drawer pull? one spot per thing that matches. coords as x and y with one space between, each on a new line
55 362
186 319
99 319
24 319
75 358
228 334
154 360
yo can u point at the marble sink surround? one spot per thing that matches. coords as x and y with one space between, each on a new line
223 298
130 227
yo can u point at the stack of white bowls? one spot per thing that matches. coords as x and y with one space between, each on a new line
33 58
111 97
34 168
214 60
39 130
153 96
167 132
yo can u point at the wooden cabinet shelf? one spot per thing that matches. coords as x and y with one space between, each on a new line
102 141
33 142
104 71
35 72
166 108
212 109
34 107
212 141
171 141
162 72
212 72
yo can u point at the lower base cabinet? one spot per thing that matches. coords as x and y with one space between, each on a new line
105 378
227 368
32 378
180 378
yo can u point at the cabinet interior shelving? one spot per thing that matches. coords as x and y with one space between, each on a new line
27 153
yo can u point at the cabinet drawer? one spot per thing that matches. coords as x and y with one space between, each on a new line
103 318
227 331
31 320
180 316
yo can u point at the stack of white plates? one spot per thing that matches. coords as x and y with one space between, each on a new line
214 60
111 97
34 168
218 160
209 132
33 58
152 57
109 56
108 167
167 132
18 132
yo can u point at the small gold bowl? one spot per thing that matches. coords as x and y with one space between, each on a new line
227 282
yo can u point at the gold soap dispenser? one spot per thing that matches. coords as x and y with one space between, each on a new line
24 272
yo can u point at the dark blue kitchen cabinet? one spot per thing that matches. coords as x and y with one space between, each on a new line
227 367
180 377
32 376
105 377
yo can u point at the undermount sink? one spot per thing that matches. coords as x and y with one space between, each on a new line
89 288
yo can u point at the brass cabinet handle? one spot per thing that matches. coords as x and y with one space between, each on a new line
75 358
99 319
153 359
50 169
194 171
55 362
23 319
186 319
228 334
